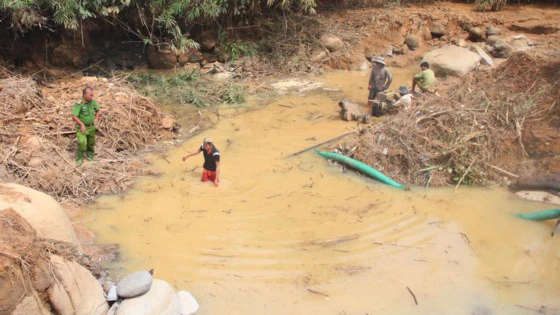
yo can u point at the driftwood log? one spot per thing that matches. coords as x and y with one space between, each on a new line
538 182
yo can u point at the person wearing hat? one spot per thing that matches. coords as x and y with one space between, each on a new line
211 167
406 98
426 79
380 78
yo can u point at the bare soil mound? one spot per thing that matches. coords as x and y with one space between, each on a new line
37 136
24 261
474 133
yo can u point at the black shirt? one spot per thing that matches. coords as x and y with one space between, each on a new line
211 158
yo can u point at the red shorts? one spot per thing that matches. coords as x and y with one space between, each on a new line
208 176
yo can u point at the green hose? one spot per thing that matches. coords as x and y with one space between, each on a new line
364 168
541 216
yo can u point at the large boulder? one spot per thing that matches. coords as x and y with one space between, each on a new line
30 305
332 43
160 299
75 290
452 60
42 212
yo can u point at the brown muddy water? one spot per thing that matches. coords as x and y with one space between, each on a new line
299 236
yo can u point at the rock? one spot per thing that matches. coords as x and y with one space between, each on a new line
30 144
487 60
183 58
489 49
112 294
160 59
28 306
476 34
208 44
187 303
42 212
388 51
364 66
492 31
332 43
222 56
221 76
319 56
539 196
160 299
196 57
75 290
404 49
168 122
437 30
412 41
501 49
350 111
491 40
452 60
461 43
134 284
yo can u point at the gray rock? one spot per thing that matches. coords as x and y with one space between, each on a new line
332 43
134 284
492 39
452 60
187 303
492 30
476 34
437 30
501 49
485 58
160 299
412 41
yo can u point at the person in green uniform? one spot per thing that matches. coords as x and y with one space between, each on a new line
85 113
426 79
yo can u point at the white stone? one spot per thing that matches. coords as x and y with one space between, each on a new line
160 299
187 303
112 294
134 284
486 59
452 60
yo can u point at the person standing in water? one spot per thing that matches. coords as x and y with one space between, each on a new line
211 167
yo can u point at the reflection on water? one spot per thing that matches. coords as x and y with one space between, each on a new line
298 236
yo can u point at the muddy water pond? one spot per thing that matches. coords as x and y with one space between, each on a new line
297 235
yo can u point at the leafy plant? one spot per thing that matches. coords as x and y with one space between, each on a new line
233 94
190 96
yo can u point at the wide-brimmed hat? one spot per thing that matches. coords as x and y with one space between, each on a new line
208 140
379 60
403 90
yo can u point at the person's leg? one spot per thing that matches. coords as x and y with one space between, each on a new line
81 147
413 84
90 137
204 176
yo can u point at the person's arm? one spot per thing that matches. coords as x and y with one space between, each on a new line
97 109
75 113
191 154
370 82
217 180
389 80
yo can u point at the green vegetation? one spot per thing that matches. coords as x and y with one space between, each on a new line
157 22
184 88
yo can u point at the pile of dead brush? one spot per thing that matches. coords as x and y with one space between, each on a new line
37 136
473 133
